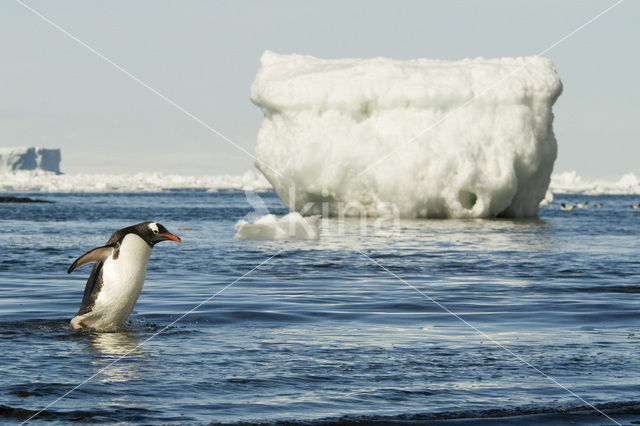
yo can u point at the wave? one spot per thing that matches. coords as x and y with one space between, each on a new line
567 414
626 411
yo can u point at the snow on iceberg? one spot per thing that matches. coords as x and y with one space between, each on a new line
29 158
140 182
292 226
470 138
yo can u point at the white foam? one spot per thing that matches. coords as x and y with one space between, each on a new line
29 158
139 182
572 183
327 121
292 226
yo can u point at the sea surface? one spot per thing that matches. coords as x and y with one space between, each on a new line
430 321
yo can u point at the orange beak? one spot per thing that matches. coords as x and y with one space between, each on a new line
171 237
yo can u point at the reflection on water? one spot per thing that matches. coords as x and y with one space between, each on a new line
119 356
468 234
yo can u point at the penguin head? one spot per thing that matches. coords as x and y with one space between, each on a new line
153 233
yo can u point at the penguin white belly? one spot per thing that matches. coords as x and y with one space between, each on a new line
122 281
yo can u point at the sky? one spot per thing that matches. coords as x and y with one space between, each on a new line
204 55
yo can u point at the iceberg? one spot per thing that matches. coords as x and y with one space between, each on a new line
433 138
572 183
292 226
30 158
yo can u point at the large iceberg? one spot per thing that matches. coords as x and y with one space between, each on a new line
29 158
427 138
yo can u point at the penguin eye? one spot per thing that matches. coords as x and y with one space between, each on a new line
155 231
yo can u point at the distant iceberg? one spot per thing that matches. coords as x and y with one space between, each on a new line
139 182
469 138
572 183
30 158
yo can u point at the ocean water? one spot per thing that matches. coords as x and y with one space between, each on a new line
463 321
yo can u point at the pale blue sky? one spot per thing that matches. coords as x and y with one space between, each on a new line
205 54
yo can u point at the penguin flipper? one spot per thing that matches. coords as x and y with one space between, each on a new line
97 254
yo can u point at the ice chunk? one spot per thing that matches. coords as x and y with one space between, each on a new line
548 198
29 158
292 226
470 138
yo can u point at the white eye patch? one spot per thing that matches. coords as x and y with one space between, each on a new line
154 227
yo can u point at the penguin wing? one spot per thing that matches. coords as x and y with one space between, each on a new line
91 290
95 255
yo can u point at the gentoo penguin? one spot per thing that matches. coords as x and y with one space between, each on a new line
598 205
117 276
635 206
583 205
566 207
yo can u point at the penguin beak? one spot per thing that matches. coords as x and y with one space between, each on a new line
171 237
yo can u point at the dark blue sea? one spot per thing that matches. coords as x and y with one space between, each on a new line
433 321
